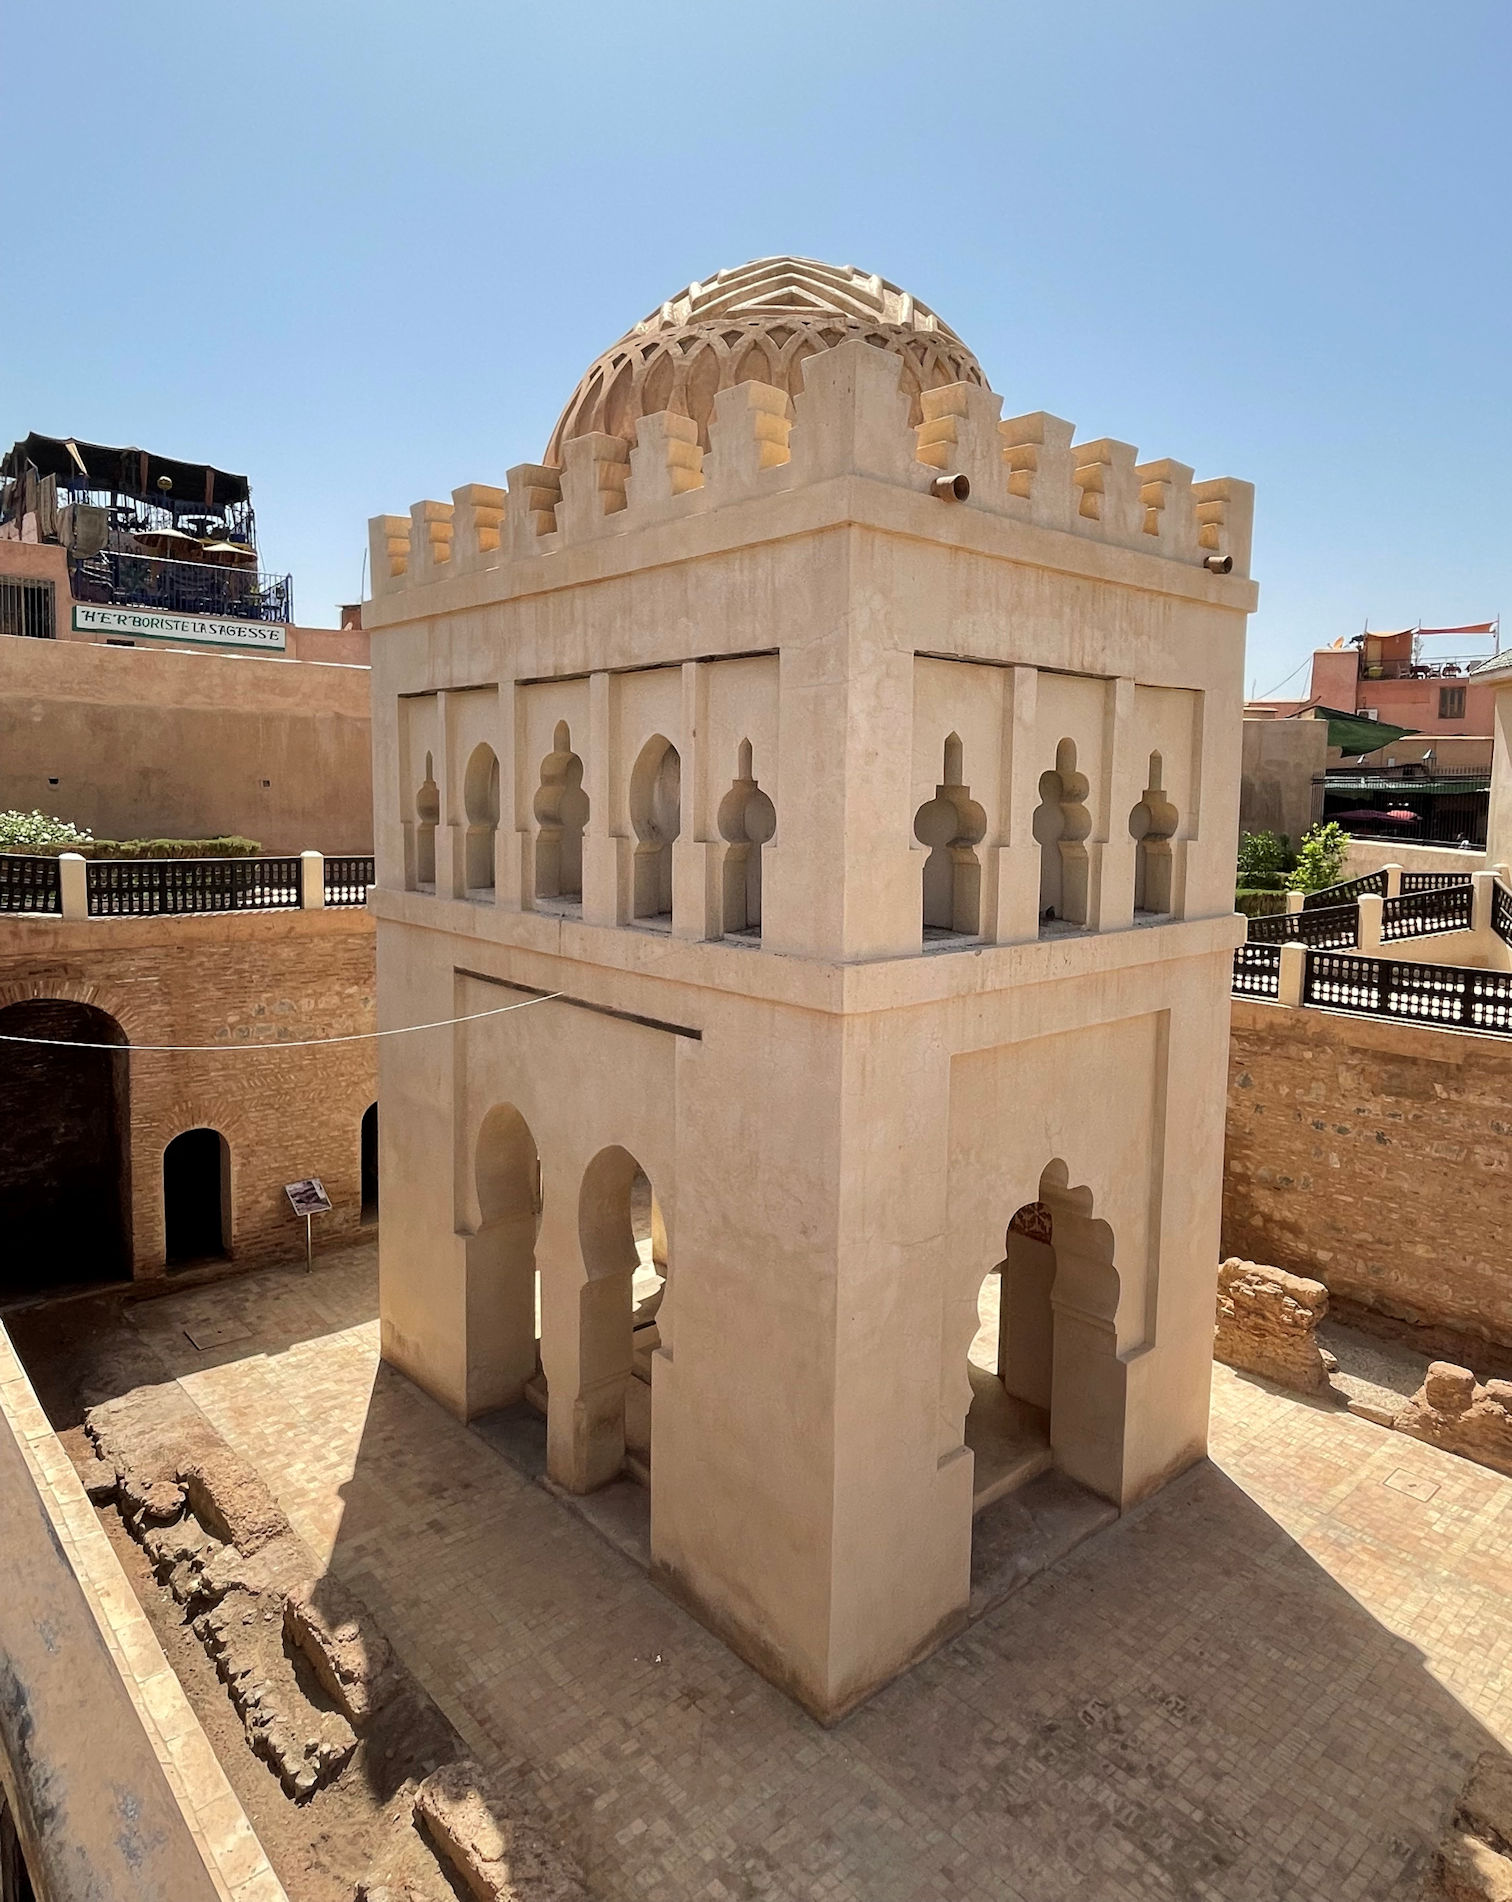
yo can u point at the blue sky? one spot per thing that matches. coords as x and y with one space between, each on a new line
363 252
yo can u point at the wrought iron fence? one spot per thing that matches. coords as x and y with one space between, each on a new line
347 880
1419 914
1439 994
30 884
1331 927
1433 881
1344 893
1257 970
183 587
133 888
1501 912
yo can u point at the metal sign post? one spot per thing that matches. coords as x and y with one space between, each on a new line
309 1199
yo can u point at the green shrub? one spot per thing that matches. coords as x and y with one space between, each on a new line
1264 860
231 847
32 831
1320 861
1259 904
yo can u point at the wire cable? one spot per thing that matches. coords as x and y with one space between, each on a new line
293 1043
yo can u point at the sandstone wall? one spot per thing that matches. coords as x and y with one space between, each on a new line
1373 1157
144 743
249 983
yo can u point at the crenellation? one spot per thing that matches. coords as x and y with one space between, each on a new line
749 433
666 461
430 537
389 551
1226 518
1165 493
1037 454
1105 473
477 522
851 418
530 512
960 436
593 484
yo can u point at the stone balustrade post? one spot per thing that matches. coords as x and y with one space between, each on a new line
1393 880
1368 937
73 884
1482 893
1295 902
312 881
1292 973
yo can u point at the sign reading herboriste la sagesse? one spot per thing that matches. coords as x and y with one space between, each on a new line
265 636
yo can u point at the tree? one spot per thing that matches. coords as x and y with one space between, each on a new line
1264 860
1320 859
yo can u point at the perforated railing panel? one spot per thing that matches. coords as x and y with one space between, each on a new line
29 884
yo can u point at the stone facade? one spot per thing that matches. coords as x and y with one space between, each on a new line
244 983
1373 1156
858 793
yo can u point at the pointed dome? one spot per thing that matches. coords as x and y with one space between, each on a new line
757 322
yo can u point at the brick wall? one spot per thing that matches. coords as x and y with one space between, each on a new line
250 983
1374 1156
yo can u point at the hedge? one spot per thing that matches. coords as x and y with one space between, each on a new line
231 847
1259 904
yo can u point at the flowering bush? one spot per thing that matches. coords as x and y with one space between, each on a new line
22 830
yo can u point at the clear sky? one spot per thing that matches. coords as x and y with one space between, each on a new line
362 252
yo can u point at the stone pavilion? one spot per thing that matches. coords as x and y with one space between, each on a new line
851 771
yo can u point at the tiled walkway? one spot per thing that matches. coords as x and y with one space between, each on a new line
1268 1683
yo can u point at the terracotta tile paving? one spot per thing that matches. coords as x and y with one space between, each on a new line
1267 1683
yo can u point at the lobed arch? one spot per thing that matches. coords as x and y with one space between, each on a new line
480 803
499 1232
655 800
1059 1291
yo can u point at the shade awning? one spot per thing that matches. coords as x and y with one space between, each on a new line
1353 733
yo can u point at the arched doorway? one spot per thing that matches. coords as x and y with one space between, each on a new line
65 1196
196 1197
623 1245
503 1340
1046 1380
369 1163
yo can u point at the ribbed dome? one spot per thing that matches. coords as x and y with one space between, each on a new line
758 321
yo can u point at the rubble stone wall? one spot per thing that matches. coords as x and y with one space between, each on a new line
1373 1157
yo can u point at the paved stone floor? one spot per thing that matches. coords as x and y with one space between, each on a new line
1267 1683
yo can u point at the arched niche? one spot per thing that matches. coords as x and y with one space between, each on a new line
656 819
1062 823
952 825
747 821
480 801
561 813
